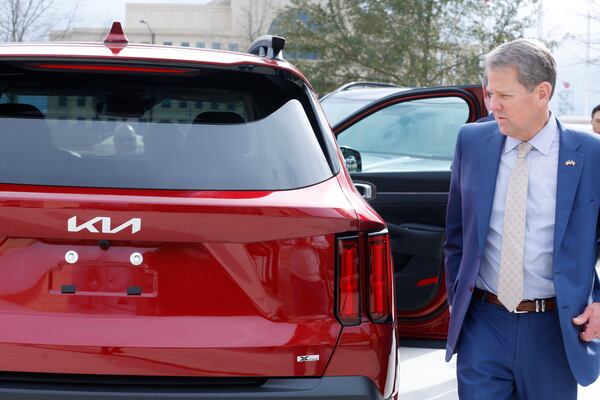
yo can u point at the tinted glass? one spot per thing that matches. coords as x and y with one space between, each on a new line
416 135
223 132
337 109
342 104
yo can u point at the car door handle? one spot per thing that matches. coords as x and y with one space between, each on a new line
366 189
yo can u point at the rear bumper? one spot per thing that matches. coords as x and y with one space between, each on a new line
325 388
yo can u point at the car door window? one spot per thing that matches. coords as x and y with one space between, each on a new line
416 135
401 147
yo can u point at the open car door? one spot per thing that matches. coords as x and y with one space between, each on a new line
399 152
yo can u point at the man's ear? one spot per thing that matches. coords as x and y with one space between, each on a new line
544 91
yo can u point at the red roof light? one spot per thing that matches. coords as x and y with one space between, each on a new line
116 35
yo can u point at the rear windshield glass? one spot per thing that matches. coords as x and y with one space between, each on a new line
213 130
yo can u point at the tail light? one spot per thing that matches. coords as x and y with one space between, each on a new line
348 282
380 270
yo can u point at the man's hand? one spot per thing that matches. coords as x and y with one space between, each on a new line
589 321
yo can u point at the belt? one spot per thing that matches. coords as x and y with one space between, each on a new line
526 306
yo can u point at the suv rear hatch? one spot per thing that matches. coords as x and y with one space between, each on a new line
192 250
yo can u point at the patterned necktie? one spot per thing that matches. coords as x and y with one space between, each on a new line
510 279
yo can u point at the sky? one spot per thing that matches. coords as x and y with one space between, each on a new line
564 22
96 13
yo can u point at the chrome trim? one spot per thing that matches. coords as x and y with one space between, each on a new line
515 311
71 257
383 231
136 259
368 195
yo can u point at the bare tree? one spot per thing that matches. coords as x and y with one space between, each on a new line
587 42
588 38
593 40
29 19
256 17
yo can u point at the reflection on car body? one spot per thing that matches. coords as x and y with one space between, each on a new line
221 252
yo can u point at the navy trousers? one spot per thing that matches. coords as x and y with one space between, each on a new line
506 356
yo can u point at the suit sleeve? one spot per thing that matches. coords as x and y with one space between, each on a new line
453 247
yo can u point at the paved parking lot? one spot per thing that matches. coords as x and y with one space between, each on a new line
424 375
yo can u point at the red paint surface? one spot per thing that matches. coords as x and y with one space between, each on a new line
246 275
233 283
367 350
116 34
429 322
163 55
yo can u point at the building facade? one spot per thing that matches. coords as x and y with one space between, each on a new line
218 24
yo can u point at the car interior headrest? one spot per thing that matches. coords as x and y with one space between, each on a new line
19 110
218 117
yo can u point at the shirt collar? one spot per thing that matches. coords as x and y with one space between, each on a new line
542 141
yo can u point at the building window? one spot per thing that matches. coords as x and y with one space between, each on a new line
166 103
200 45
234 47
199 104
62 101
182 104
185 44
80 101
216 46
168 43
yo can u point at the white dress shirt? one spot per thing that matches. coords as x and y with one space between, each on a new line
539 219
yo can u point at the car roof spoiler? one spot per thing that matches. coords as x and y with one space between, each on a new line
268 46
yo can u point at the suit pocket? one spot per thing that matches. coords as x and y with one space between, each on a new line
578 207
587 210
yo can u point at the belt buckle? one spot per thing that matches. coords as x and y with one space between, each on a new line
515 311
540 305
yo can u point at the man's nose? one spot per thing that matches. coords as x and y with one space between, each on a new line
495 105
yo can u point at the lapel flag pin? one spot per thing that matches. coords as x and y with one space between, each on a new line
570 163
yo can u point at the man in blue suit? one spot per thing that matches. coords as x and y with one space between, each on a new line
521 241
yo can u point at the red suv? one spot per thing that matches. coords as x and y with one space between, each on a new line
178 223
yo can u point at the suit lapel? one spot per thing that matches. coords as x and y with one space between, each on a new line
491 149
570 166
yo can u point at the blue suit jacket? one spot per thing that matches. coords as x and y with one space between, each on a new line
472 186
489 117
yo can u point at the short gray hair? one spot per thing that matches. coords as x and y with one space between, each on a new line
532 60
